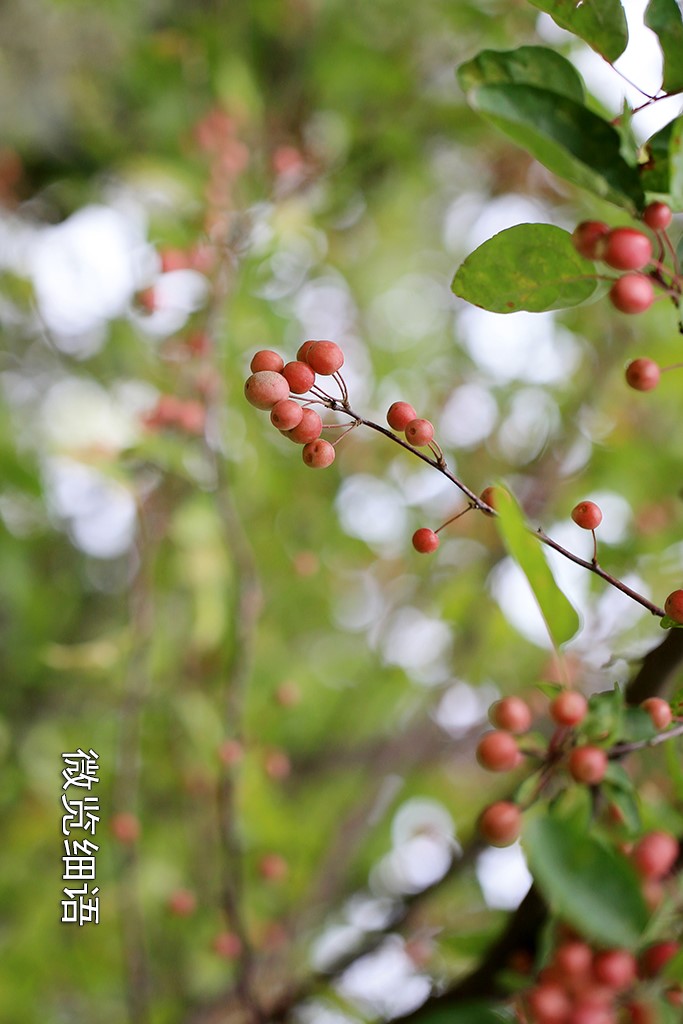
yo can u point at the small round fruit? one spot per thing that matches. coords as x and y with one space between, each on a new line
497 751
573 958
425 540
273 868
318 454
654 959
325 357
308 429
673 606
615 968
512 714
569 708
627 249
230 752
227 945
655 854
587 515
286 415
588 764
399 415
125 828
588 236
549 1003
182 903
657 216
659 711
302 351
299 376
419 432
265 388
266 359
488 496
500 823
632 293
642 374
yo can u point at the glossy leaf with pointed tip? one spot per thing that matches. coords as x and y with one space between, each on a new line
600 23
527 65
665 19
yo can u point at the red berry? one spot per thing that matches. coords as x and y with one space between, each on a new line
642 374
308 429
573 958
587 515
511 714
264 388
615 968
656 957
399 415
632 293
588 764
286 415
303 351
587 236
488 496
230 752
325 357
425 540
549 1003
125 828
655 854
299 376
627 249
497 751
318 454
273 867
500 823
192 417
569 708
673 606
227 945
657 216
277 765
266 359
419 432
182 903
659 711
641 1013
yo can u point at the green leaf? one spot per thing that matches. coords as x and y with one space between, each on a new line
664 18
624 800
600 23
527 65
676 164
666 623
604 721
468 1013
655 171
565 136
588 884
530 266
637 725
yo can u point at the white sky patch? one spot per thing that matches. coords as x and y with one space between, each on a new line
414 307
503 876
372 510
418 644
99 511
468 417
385 981
463 707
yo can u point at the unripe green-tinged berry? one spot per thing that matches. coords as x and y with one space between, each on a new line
632 293
425 540
265 388
627 249
659 711
615 968
587 515
299 376
568 708
308 429
266 359
318 454
657 216
643 374
673 606
500 823
286 415
654 959
588 236
325 357
399 415
419 432
497 751
588 764
655 854
512 714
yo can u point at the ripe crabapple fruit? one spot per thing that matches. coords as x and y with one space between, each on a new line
230 752
318 454
264 388
500 823
497 751
655 854
659 711
549 1003
673 606
615 968
227 945
302 351
419 432
587 515
488 496
425 540
273 868
627 249
182 903
308 429
266 359
573 958
632 293
299 376
642 374
569 708
325 357
125 828
512 714
286 415
588 236
399 415
653 959
588 764
657 216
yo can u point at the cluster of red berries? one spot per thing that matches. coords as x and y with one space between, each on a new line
627 249
275 385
